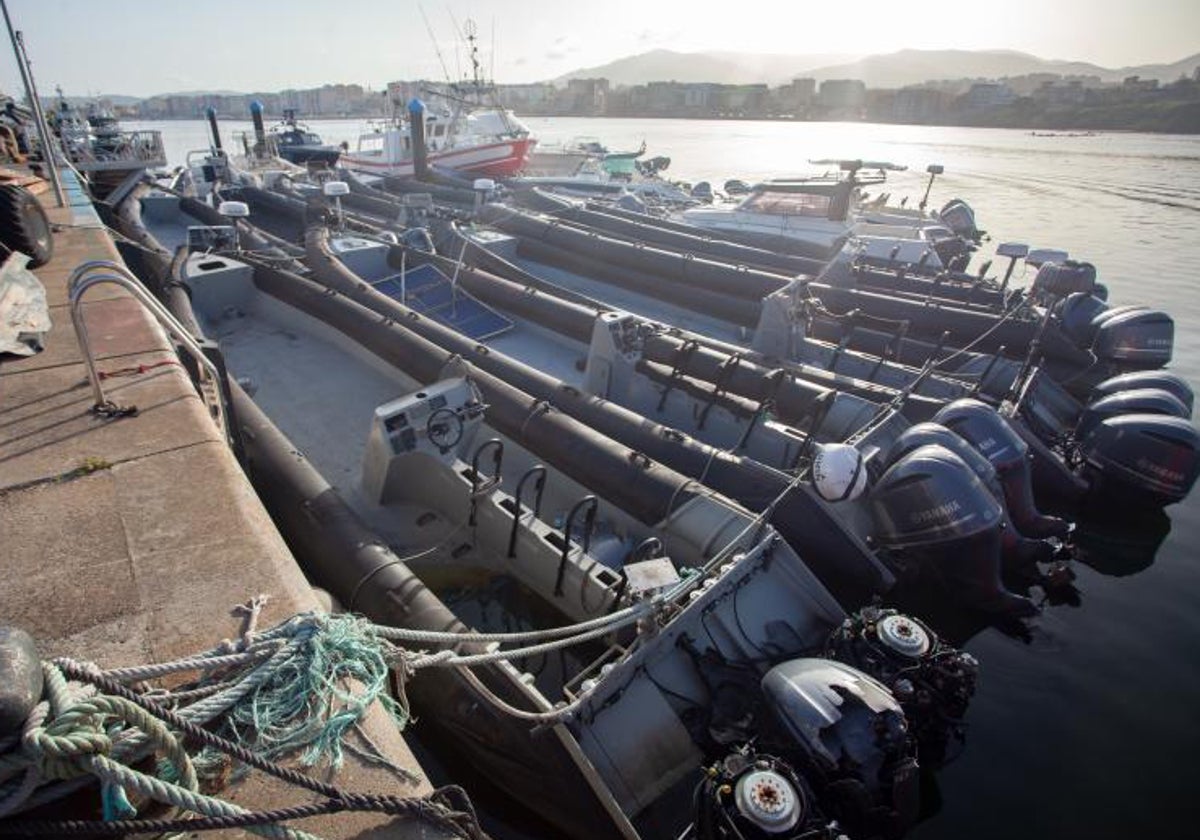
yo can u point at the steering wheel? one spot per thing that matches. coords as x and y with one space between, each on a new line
444 428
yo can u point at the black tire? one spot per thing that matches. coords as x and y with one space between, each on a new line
24 226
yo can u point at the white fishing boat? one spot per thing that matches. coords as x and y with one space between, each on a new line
817 215
470 133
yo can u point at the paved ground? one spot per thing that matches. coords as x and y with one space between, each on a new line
129 540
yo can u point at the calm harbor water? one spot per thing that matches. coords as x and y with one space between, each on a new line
1088 726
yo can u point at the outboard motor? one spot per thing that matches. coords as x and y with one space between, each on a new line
703 192
1133 338
980 425
932 510
1057 280
954 252
418 239
851 741
1077 314
1161 379
754 795
1142 460
1135 401
1018 551
933 682
960 218
629 201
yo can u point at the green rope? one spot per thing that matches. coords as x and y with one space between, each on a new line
310 700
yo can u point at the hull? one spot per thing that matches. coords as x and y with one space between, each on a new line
301 155
497 160
342 554
553 163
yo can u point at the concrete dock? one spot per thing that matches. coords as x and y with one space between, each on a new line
128 540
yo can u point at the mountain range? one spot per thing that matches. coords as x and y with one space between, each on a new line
890 70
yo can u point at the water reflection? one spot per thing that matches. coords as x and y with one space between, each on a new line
1121 547
1115 546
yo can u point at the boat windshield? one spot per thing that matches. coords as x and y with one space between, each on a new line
312 139
370 143
788 204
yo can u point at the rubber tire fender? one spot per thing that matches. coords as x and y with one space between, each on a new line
24 226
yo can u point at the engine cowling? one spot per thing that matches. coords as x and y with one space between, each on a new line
1066 278
981 426
932 510
853 739
1133 338
933 681
957 215
1164 380
1018 551
1142 459
929 433
1077 314
1136 401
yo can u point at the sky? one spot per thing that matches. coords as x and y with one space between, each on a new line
143 47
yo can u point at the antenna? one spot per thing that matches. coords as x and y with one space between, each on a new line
492 69
471 30
436 49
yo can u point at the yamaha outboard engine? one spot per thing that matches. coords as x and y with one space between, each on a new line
849 737
980 425
1133 338
1142 460
1076 313
1018 551
1163 380
418 239
1135 401
1058 280
932 681
960 218
931 510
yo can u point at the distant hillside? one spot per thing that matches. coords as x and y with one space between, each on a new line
77 101
906 67
912 67
728 68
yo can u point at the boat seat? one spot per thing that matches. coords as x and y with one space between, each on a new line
427 290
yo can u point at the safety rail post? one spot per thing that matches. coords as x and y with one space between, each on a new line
96 272
589 521
480 487
539 485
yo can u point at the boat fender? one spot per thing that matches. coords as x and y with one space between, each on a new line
1134 401
1143 460
838 473
1161 379
983 427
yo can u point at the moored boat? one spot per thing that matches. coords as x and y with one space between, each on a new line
429 472
295 143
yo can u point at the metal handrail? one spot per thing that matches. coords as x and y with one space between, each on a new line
95 272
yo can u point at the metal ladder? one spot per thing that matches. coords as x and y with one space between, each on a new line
96 272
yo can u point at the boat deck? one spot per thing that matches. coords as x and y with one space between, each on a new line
129 540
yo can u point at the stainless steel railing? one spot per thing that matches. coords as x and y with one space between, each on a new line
96 272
